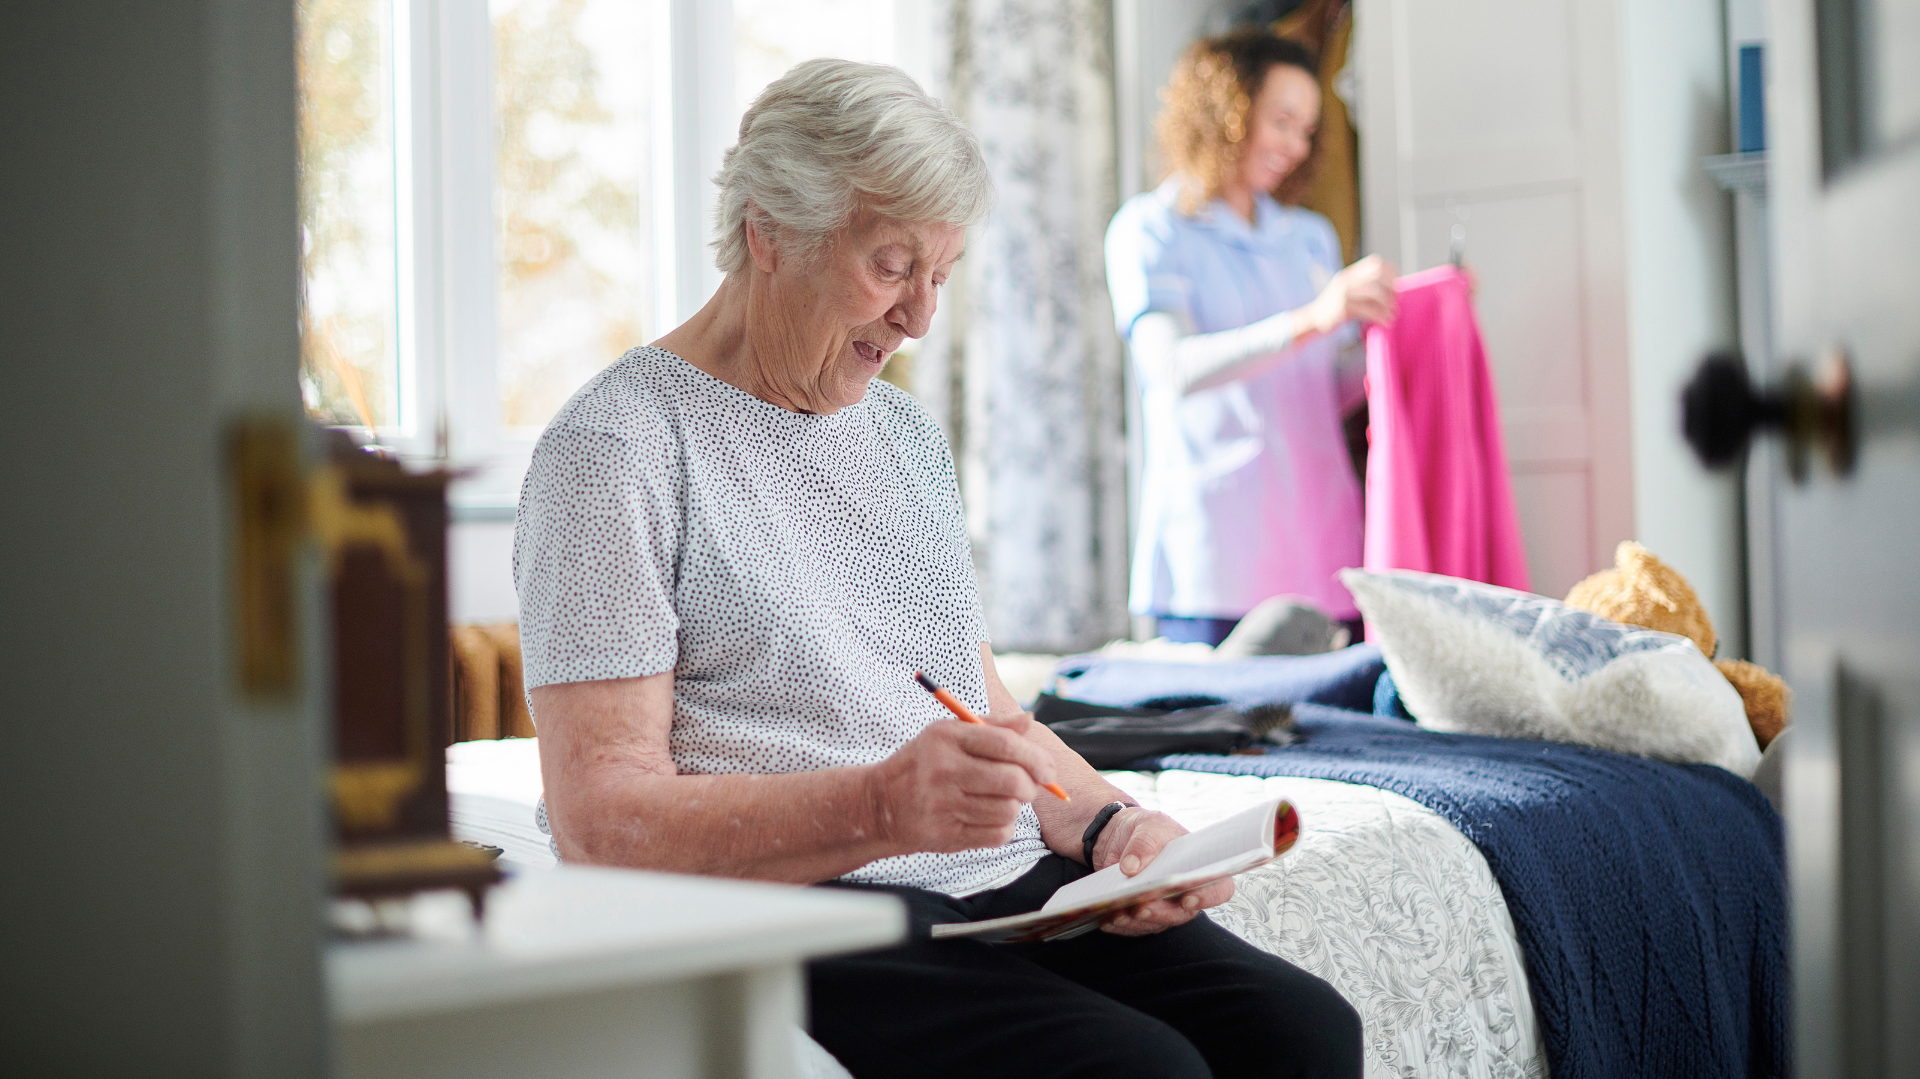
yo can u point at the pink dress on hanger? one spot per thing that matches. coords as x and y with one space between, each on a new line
1439 497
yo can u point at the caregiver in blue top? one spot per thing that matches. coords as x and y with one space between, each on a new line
1234 304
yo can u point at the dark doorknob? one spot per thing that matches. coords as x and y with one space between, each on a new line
1722 410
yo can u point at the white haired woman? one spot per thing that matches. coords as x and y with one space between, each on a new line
734 548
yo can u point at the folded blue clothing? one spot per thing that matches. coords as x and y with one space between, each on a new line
1649 898
1343 679
1386 698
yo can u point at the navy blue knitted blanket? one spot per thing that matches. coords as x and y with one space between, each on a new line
1649 898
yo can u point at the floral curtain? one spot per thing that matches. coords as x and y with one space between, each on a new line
1024 367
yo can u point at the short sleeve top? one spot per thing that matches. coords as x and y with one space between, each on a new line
1247 489
1213 270
792 570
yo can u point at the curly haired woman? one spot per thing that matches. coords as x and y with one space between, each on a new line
1233 304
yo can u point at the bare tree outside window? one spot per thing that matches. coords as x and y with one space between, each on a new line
348 322
571 83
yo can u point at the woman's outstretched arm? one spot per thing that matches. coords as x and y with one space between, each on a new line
1169 355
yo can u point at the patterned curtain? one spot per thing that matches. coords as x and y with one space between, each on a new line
1023 366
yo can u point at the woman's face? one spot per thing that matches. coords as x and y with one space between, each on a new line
1280 127
832 321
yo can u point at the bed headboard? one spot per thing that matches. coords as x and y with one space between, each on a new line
489 699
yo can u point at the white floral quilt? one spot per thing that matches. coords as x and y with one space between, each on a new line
1393 906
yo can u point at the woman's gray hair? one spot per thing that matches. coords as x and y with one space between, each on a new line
830 136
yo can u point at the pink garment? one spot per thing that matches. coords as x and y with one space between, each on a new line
1439 498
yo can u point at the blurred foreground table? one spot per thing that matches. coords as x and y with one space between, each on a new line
597 972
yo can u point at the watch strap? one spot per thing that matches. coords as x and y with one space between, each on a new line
1098 825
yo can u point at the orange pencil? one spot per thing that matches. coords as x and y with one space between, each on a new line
965 715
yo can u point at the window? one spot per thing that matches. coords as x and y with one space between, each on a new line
770 36
498 199
349 327
571 195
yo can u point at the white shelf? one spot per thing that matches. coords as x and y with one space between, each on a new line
579 929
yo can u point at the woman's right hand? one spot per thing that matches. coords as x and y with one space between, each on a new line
959 786
1362 291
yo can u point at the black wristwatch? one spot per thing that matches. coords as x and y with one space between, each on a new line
1100 819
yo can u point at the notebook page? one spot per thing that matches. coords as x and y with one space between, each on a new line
1247 833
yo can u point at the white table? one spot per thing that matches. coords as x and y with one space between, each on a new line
597 972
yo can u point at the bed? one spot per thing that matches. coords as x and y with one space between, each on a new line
1648 898
1491 907
1381 896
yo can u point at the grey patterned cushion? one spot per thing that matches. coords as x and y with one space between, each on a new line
1476 659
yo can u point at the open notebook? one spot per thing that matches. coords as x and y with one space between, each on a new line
1241 842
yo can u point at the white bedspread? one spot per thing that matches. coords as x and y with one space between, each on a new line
1392 905
1381 897
492 788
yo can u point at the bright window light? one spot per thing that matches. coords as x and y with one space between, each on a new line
349 351
770 36
571 197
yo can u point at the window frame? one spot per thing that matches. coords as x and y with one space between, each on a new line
448 258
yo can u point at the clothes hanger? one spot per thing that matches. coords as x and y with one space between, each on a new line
1457 247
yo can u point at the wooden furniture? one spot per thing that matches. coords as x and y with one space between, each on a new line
582 972
489 698
383 533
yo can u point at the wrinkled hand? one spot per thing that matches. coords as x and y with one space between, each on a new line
1134 838
959 786
1362 291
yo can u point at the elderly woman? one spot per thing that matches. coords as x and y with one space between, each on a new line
734 550
1231 301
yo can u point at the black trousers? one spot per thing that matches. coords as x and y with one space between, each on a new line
1189 1003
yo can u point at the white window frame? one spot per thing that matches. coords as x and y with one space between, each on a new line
445 231
446 258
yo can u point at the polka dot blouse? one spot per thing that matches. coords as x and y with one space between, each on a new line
793 571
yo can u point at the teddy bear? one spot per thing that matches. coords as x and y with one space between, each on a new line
1641 590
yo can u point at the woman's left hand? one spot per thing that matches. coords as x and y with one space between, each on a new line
1362 291
1134 838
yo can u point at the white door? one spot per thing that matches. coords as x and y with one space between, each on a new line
1485 126
1844 104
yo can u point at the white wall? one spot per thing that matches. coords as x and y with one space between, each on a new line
480 572
1680 289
